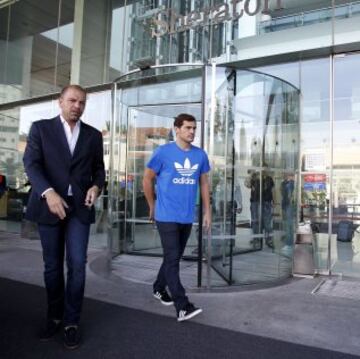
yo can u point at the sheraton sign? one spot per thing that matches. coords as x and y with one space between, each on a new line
167 21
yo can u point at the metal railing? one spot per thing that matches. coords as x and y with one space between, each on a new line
309 17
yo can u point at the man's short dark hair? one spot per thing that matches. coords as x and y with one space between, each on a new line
179 119
72 86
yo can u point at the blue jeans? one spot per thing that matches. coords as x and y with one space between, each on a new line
74 236
288 218
173 237
254 211
266 217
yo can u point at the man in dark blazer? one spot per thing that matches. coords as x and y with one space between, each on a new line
64 162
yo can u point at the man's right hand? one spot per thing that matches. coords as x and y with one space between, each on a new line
56 204
151 214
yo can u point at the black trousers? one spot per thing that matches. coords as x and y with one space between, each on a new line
174 237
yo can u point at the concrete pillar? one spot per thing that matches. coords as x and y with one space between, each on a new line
26 66
90 55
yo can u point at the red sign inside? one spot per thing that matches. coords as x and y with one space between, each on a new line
315 177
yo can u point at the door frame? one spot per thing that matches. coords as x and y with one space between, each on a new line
115 88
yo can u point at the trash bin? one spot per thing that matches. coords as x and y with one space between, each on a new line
304 264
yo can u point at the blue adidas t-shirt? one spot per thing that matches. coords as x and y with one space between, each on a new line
178 172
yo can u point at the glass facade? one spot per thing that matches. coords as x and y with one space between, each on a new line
36 45
345 168
15 124
310 46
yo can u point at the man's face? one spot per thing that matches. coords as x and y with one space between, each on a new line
186 132
72 104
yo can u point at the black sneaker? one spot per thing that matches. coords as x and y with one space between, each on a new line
164 297
269 242
188 312
52 326
71 337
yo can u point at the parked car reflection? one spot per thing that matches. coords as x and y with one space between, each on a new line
17 199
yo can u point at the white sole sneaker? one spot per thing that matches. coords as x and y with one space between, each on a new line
184 317
157 296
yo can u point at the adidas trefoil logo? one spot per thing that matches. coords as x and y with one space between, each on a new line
186 170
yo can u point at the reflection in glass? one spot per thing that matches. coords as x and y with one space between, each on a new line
148 128
14 189
253 145
118 42
65 44
14 128
346 165
37 52
145 112
347 16
315 153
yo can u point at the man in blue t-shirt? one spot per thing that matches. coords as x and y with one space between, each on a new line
178 168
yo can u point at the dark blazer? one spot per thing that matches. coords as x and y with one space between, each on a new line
49 163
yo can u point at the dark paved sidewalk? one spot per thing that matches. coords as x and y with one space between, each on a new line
112 331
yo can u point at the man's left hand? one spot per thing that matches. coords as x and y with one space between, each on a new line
91 196
207 221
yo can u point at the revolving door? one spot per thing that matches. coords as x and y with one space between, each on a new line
248 125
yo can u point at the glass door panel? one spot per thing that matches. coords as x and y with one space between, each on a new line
136 96
346 166
145 104
253 142
315 154
116 187
225 201
148 128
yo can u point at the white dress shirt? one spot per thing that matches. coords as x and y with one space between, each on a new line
71 137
